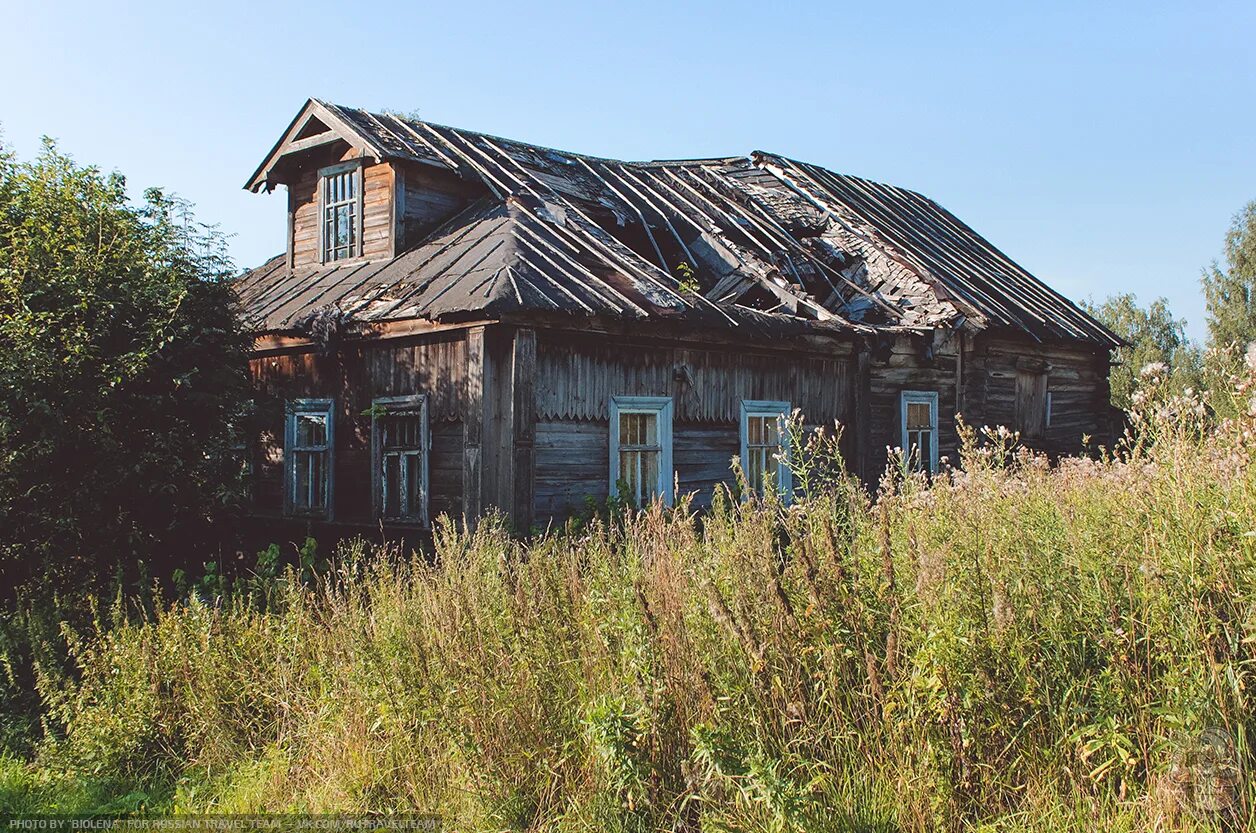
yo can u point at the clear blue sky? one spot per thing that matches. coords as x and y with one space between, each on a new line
1105 147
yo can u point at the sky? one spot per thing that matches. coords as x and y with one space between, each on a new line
1104 146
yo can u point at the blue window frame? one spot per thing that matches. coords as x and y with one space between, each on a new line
309 440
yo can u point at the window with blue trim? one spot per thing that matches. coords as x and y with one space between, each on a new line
308 444
765 446
919 413
641 448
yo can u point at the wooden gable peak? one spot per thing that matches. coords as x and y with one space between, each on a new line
315 125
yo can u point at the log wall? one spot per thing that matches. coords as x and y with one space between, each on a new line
576 378
519 417
430 197
1076 379
434 365
378 185
911 363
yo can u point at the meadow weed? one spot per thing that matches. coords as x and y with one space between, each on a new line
1014 646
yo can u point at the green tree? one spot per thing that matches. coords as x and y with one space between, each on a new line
122 367
1154 336
1230 291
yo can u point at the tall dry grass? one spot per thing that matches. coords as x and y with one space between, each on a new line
1015 646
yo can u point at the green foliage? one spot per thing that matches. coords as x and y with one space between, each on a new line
312 565
1230 290
1230 297
687 278
1008 646
1154 336
26 790
123 366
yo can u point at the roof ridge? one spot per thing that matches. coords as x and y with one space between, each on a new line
519 142
879 183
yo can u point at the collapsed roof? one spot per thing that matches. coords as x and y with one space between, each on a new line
750 242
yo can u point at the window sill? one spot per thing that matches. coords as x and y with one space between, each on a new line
307 516
344 261
401 523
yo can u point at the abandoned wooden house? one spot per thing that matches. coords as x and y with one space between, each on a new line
461 322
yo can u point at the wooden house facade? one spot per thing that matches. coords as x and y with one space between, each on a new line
460 322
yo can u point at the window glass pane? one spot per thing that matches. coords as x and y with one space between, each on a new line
639 475
754 469
402 430
318 473
400 438
340 215
301 479
629 477
414 483
636 430
649 475
918 415
309 480
627 429
392 485
771 430
311 429
770 463
754 430
343 218
919 451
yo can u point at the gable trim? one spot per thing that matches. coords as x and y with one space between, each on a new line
337 129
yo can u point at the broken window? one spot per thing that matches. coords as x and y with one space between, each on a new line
399 437
764 445
308 445
341 201
919 411
641 448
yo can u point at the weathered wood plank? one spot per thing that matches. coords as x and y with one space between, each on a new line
473 427
577 377
523 381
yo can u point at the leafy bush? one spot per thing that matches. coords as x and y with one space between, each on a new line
123 365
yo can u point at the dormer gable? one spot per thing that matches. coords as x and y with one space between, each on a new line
352 197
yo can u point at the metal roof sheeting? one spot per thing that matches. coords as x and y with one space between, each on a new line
767 237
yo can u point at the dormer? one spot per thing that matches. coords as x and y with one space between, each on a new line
357 188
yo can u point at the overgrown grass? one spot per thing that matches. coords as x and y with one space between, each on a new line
1015 647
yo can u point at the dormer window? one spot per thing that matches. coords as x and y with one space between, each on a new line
341 197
